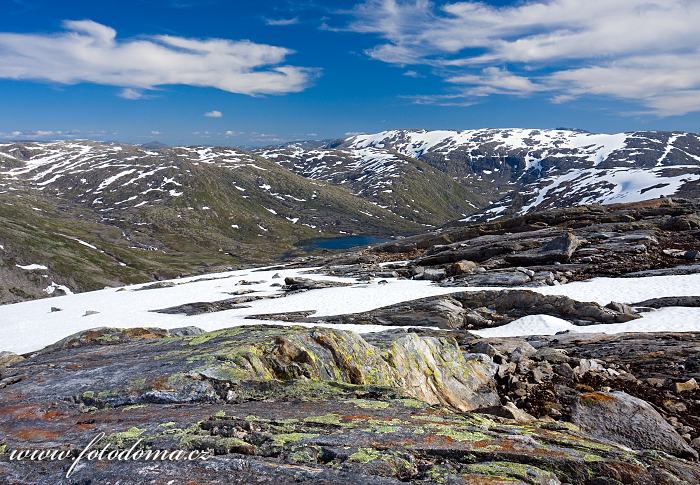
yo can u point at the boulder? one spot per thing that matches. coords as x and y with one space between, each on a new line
9 358
559 249
629 421
461 267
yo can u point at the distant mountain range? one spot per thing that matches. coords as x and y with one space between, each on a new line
512 170
96 214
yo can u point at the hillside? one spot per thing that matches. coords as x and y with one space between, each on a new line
96 214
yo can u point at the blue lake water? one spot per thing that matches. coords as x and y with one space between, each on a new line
345 242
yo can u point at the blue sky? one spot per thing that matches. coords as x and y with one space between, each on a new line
256 73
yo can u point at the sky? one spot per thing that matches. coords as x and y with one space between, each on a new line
242 73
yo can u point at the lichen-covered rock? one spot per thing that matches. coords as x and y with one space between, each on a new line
295 405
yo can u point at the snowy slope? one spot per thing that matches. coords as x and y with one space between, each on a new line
131 307
515 170
555 168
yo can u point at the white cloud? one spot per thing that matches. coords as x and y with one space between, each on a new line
130 93
214 114
231 133
282 22
640 50
91 52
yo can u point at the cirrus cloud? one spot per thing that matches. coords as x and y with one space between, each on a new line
91 52
642 51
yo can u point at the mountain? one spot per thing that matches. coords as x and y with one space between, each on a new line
521 170
403 184
83 215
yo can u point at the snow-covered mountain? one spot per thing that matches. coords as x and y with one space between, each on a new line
519 170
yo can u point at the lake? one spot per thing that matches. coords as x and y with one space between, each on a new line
345 242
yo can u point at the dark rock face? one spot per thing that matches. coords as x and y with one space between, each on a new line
283 405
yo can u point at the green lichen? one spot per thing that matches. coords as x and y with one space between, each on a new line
285 438
412 403
133 406
365 455
460 435
123 438
367 404
508 469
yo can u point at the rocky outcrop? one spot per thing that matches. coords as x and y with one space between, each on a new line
305 284
483 309
296 405
552 247
686 301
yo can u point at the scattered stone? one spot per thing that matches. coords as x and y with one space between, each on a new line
90 312
687 386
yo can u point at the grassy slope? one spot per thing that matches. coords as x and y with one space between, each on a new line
189 240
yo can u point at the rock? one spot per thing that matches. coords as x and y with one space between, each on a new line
687 386
276 275
55 309
305 284
508 411
627 420
431 274
298 405
555 356
90 312
461 267
559 249
564 370
200 307
9 358
480 309
623 309
667 301
115 336
500 278
155 286
674 406
656 382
